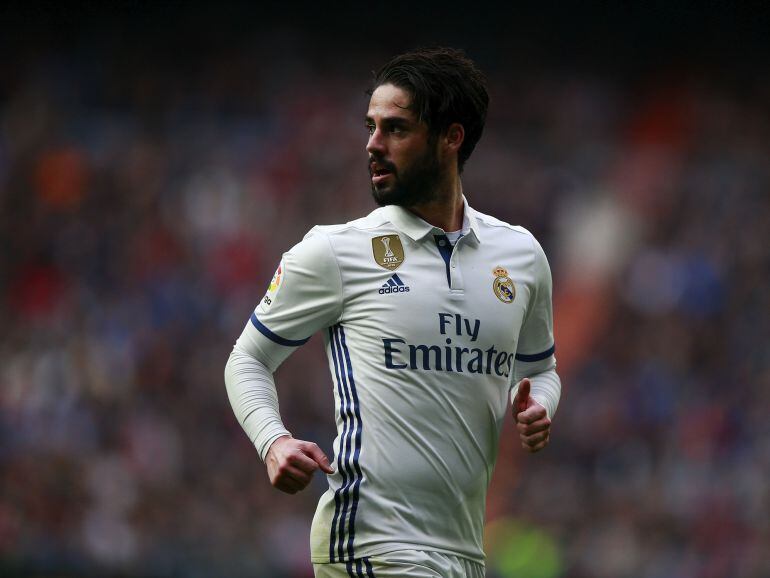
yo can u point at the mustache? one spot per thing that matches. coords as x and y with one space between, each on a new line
381 163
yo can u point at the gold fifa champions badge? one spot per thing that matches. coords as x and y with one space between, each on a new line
388 251
503 286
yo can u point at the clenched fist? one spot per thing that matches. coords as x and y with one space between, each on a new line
291 463
531 419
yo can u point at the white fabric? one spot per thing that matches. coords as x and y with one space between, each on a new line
421 373
403 564
251 390
453 236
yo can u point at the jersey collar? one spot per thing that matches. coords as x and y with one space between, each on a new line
417 229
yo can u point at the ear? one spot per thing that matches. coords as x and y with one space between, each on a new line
454 137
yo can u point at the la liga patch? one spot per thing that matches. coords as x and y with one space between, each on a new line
273 288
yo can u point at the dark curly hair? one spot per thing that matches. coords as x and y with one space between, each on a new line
445 86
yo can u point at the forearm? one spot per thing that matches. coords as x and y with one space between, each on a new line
253 397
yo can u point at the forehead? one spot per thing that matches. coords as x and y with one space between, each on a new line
389 101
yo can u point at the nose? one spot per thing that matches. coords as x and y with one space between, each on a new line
375 145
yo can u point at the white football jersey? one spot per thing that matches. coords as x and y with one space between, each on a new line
422 339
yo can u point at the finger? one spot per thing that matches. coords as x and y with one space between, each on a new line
532 414
534 427
289 486
522 395
538 446
302 461
535 448
535 439
291 473
318 456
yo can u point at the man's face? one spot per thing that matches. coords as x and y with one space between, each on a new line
403 162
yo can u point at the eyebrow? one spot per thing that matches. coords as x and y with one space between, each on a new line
391 120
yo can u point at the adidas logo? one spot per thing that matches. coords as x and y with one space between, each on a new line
394 285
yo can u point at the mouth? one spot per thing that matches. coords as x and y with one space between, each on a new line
379 172
380 176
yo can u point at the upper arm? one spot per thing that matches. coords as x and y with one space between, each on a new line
304 296
536 347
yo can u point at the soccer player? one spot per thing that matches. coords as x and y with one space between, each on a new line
431 311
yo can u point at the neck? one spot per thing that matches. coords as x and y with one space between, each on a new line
446 210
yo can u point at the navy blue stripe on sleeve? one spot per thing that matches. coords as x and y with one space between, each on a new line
537 356
273 337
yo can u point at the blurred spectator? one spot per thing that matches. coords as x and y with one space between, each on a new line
143 208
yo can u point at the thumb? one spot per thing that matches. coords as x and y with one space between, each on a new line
522 397
320 458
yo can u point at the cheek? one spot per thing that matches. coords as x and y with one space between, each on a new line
404 155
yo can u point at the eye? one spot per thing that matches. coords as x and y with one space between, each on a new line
370 128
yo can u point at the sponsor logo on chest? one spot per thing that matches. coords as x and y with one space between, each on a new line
393 285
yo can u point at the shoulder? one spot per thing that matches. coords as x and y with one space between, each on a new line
515 236
340 242
344 239
500 229
371 222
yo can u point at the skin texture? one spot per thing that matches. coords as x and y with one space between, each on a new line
400 142
424 178
291 463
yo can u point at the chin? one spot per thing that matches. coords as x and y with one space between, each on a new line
384 196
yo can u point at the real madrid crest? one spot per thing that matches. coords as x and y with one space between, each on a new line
388 251
503 287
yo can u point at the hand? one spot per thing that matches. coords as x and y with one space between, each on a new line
291 463
531 419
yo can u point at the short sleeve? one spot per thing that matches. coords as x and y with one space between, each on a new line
535 350
305 295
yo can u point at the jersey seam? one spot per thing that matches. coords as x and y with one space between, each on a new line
533 295
533 302
501 224
342 227
339 276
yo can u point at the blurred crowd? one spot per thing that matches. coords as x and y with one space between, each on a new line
145 205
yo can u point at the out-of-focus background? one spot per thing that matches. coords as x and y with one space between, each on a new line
157 158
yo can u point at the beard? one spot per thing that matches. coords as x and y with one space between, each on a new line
417 184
